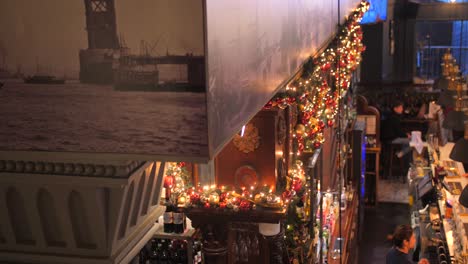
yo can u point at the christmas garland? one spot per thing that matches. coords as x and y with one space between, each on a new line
322 84
316 95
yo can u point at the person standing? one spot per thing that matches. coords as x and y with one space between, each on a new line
392 130
403 241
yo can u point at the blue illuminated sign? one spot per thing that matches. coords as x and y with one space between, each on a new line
376 13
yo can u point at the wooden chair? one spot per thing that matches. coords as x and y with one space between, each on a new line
372 117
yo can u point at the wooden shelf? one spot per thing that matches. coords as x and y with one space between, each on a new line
159 233
348 223
258 215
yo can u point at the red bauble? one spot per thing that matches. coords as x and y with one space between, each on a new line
344 85
194 198
321 124
287 194
222 205
311 134
317 144
330 102
244 205
206 205
325 67
296 184
181 164
222 197
305 118
300 146
268 105
168 181
330 123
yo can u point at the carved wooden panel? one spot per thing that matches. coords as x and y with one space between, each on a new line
231 163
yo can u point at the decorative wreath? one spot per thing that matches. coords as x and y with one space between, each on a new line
249 141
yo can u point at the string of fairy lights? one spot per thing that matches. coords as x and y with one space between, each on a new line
316 94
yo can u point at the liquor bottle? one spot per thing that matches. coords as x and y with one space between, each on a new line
155 249
197 252
168 218
183 253
343 200
164 257
178 216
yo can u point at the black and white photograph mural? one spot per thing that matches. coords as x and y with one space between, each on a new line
103 76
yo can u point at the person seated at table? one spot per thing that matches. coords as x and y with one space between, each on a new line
403 241
392 130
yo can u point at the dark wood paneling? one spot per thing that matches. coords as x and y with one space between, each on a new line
264 160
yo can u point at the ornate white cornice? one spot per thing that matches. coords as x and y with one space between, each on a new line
117 169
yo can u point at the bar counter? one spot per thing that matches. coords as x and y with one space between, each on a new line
442 237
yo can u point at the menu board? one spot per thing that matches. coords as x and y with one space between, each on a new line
370 121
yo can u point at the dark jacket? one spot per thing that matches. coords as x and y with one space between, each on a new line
391 128
395 256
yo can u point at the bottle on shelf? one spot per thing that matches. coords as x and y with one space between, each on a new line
178 218
164 257
343 200
197 252
168 217
181 250
155 251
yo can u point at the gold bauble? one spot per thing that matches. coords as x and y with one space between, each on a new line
214 198
319 137
300 129
258 198
313 121
181 200
299 164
